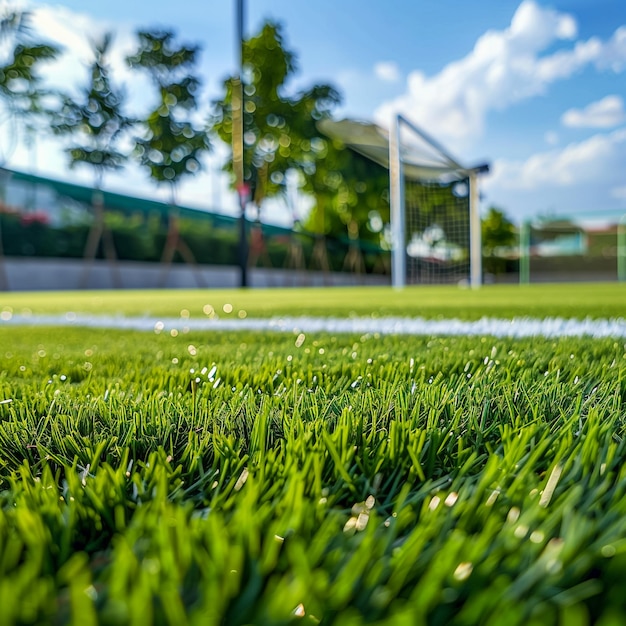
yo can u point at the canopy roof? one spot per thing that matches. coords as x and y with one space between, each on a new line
423 159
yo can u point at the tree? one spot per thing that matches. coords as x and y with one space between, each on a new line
279 129
351 199
171 145
96 120
497 231
97 124
21 92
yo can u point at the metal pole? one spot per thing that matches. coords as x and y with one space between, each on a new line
524 253
237 113
476 259
621 249
396 201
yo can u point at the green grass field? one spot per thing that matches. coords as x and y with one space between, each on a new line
598 300
274 478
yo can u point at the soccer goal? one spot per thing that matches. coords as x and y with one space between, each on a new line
435 218
434 202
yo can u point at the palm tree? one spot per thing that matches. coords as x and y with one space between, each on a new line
21 92
97 124
171 145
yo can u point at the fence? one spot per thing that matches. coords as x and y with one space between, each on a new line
590 249
40 217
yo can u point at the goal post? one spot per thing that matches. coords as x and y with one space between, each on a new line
435 213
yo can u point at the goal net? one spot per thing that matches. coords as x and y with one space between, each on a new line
435 216
437 232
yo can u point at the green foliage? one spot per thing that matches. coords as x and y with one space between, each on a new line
97 118
351 195
279 128
496 231
171 145
265 478
21 92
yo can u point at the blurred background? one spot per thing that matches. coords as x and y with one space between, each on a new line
139 103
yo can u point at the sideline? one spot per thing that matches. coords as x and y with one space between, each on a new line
516 327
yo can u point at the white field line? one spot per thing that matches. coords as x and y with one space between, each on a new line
516 327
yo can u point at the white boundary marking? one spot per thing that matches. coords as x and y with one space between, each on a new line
516 327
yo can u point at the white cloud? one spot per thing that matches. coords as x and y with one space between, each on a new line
505 67
74 33
605 113
551 138
619 192
387 71
586 177
597 160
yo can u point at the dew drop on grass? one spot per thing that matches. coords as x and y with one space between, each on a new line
241 481
463 570
299 610
451 498
513 515
174 332
227 308
434 503
184 313
242 314
608 551
362 520
493 496
521 531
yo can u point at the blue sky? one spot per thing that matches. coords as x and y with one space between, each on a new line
537 88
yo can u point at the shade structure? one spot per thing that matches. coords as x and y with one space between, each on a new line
423 158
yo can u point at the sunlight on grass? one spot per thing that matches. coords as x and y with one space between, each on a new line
596 300
264 478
